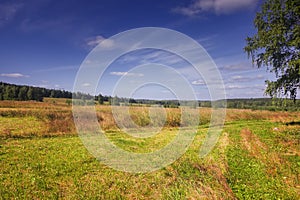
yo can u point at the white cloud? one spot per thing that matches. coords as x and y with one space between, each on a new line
217 6
198 82
251 87
107 43
242 66
125 74
235 87
240 78
42 86
14 75
151 56
87 61
260 76
86 84
94 41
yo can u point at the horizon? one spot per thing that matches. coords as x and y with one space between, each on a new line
251 98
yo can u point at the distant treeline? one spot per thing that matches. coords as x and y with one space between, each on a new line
25 93
130 101
275 104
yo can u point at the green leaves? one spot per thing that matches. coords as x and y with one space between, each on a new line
277 45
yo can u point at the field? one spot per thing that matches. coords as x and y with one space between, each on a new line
257 156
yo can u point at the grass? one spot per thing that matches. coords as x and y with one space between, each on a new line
258 164
20 126
41 157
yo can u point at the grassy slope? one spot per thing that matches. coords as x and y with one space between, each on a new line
252 160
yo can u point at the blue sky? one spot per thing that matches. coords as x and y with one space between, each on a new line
44 42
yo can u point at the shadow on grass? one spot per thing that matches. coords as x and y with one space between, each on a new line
293 123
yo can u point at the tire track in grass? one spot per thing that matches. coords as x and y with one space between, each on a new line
256 166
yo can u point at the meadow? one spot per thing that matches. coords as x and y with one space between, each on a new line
41 156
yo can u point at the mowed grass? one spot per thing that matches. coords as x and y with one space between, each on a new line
264 160
257 157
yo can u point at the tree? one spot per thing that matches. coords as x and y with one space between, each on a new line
52 94
22 96
37 94
100 99
9 93
30 94
1 91
277 45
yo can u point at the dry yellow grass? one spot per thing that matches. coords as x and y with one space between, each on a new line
56 118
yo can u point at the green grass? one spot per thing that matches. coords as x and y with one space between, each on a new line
253 159
20 126
266 172
61 167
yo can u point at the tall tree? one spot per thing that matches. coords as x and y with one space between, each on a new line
100 99
277 45
22 96
1 90
30 94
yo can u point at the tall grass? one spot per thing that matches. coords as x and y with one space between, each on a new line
57 118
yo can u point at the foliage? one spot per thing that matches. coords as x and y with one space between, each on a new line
277 45
24 93
274 104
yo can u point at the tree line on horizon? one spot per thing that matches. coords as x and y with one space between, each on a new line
30 93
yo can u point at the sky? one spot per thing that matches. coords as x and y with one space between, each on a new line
44 42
